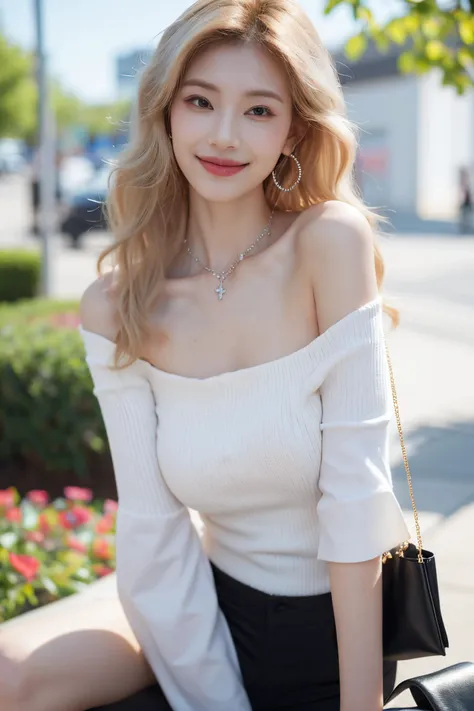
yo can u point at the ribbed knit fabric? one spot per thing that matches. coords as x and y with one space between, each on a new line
288 465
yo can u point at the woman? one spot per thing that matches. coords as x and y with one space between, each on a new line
237 355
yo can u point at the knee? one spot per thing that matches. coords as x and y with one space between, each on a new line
20 690
13 683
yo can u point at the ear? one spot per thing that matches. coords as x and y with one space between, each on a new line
297 132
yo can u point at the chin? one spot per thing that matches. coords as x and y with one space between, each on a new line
220 193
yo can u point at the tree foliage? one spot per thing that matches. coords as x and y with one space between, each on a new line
433 34
106 119
19 100
17 91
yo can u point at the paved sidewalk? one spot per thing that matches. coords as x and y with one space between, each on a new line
433 360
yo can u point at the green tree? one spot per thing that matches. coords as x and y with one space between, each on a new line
105 119
17 91
67 107
433 34
19 101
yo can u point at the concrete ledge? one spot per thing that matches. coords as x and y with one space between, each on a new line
100 589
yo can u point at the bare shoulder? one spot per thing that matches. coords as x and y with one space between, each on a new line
96 311
336 245
335 226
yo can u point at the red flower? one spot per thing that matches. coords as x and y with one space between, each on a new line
110 506
34 536
102 570
76 545
76 516
7 498
102 549
38 497
43 523
14 515
105 524
25 564
76 493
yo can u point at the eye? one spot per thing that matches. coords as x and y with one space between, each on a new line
261 111
199 102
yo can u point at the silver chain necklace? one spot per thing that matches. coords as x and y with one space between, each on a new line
220 291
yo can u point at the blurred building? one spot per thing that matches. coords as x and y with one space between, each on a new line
415 135
128 69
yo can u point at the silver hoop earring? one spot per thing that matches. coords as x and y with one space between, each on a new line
292 187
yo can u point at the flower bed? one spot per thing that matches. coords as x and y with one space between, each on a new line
51 549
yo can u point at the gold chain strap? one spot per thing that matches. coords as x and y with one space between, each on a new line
407 469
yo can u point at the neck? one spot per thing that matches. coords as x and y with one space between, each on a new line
218 232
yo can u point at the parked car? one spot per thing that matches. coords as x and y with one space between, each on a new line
83 208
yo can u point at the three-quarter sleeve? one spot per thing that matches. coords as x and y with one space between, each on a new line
360 517
164 578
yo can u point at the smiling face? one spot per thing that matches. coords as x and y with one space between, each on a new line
231 120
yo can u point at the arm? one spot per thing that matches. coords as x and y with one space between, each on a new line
164 579
359 633
359 515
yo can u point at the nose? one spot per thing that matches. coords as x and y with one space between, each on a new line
224 132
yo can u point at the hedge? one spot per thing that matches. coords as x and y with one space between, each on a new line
20 272
47 310
49 416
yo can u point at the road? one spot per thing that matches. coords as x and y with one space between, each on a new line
430 279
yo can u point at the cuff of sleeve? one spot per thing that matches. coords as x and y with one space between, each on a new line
355 531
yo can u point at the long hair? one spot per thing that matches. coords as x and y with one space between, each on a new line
147 204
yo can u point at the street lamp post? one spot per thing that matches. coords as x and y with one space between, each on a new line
47 156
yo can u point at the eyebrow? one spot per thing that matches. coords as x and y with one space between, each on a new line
253 92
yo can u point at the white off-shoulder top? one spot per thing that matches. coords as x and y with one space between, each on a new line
288 465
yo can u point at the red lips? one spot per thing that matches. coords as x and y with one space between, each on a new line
223 167
220 161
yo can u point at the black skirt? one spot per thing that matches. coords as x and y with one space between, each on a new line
287 650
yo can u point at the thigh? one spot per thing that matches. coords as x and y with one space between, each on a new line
151 699
77 653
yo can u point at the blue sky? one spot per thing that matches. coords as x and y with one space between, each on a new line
83 38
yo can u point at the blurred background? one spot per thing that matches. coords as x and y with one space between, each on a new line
68 78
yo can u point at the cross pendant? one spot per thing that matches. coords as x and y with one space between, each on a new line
220 291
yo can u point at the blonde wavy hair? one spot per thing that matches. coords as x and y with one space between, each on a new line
147 204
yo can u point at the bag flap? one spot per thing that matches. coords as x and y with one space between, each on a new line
449 689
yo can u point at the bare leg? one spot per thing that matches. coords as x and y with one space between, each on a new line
73 655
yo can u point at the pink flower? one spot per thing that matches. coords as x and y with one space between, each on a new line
38 497
7 498
34 536
76 493
74 517
65 320
76 545
110 506
105 524
14 515
26 565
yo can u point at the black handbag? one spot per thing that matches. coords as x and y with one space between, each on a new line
412 622
449 689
